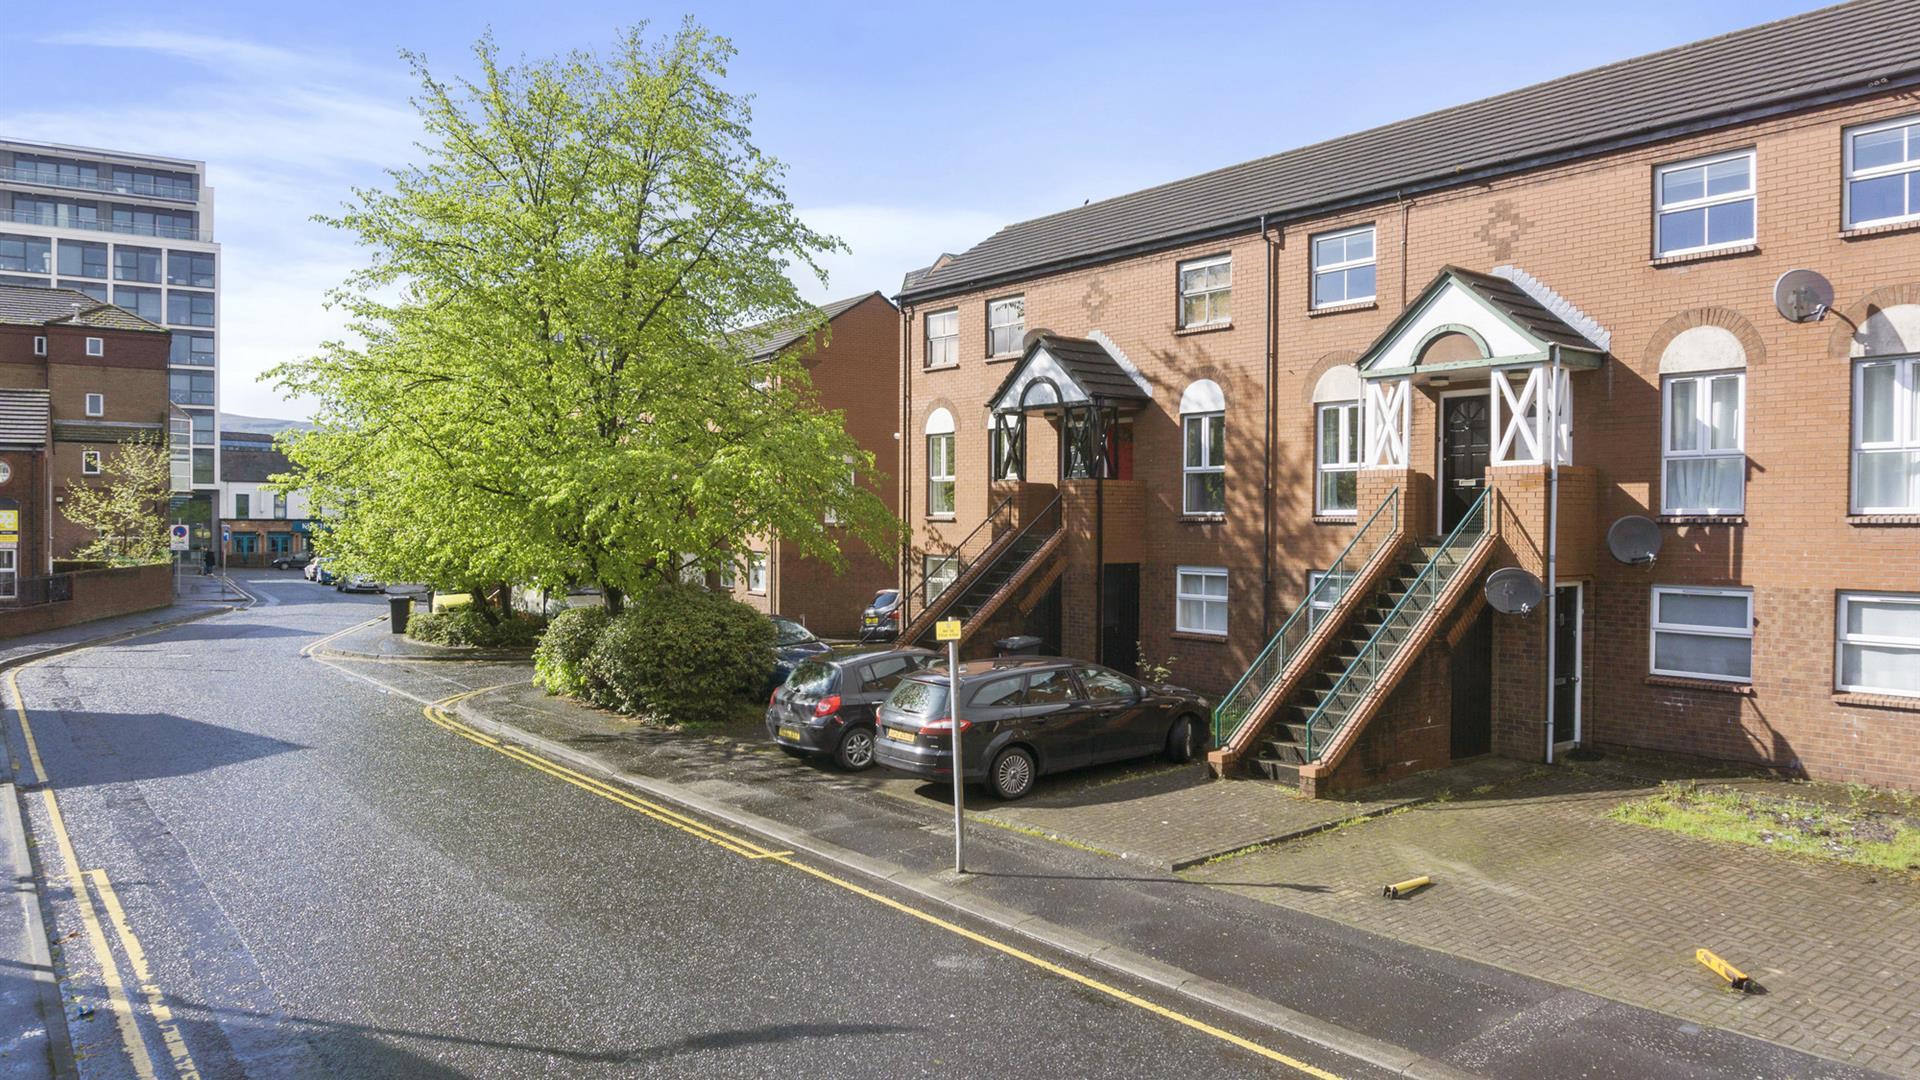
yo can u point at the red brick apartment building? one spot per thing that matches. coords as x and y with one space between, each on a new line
1280 421
77 378
854 366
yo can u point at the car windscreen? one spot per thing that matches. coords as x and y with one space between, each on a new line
886 599
916 698
788 632
812 678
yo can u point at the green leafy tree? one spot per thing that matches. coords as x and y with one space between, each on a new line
127 509
550 385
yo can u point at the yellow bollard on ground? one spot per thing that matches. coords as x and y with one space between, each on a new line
1400 890
1737 979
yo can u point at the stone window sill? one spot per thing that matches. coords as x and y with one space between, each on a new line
1703 519
940 367
1336 519
940 517
1710 685
1202 519
1003 358
1207 328
1871 520
1876 701
1194 635
1342 309
1863 231
1701 256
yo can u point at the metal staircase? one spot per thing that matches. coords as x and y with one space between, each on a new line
982 583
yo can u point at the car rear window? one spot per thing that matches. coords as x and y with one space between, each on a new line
886 599
813 677
916 698
788 632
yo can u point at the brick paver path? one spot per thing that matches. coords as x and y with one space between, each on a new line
1533 877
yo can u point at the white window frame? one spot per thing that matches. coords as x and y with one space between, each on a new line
1706 202
1349 437
757 573
96 346
943 479
1703 429
90 462
96 404
9 573
1850 174
1208 294
1842 639
927 563
1212 424
996 324
1691 630
39 344
1180 594
729 575
942 349
1906 426
1313 257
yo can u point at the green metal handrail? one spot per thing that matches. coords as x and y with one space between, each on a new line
1272 662
1430 580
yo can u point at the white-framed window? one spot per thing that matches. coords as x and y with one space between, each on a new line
1886 436
1343 267
1336 486
1703 456
1201 600
1877 643
760 376
940 463
1883 172
96 346
691 572
1322 600
1006 325
729 575
1701 633
1206 291
9 573
40 345
757 572
90 463
1203 464
96 404
939 572
853 481
943 338
1703 204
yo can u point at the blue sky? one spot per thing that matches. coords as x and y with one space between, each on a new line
907 129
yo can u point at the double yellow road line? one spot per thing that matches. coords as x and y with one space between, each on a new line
749 849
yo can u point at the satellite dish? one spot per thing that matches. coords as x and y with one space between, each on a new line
1802 296
1513 591
1634 540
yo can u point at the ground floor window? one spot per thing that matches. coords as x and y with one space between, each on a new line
280 543
1324 589
1879 643
1202 600
1702 633
939 570
1337 460
9 581
757 572
246 543
1886 436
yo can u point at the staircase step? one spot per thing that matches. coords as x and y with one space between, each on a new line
1279 771
1292 753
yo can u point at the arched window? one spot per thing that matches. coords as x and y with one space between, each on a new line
1886 412
940 464
1336 433
1703 389
1203 419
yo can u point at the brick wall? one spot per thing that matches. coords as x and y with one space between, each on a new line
97 594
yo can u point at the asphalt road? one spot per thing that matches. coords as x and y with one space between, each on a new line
317 881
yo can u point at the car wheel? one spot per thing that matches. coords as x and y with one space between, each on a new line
855 751
1183 740
1012 774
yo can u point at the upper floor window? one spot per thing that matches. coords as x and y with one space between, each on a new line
1702 633
1704 204
96 404
90 463
242 504
39 345
1006 325
1883 172
1886 436
96 346
1337 458
136 264
1203 420
1703 456
1343 267
95 289
943 338
757 572
1878 643
280 505
940 463
189 309
79 258
193 268
1206 292
190 388
190 348
26 254
140 300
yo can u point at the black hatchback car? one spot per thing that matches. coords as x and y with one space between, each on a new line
792 645
826 706
1021 717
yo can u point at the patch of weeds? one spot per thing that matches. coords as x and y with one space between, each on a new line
1042 834
1864 832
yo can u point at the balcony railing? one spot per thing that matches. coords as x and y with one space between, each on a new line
146 190
50 221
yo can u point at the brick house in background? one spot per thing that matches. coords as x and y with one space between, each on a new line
1282 420
77 378
265 525
854 367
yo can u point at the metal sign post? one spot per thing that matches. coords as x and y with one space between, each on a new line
948 630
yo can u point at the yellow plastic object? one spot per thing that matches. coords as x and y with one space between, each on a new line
1399 890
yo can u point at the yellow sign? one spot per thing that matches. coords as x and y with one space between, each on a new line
9 521
946 630
1735 977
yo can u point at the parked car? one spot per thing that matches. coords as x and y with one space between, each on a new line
881 620
298 560
1023 717
356 583
792 643
827 705
321 572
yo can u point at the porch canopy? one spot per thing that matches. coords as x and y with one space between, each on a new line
1062 371
1466 327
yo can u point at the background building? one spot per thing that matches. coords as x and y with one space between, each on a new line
135 230
264 525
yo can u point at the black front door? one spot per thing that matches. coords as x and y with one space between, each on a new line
1472 719
1120 617
1465 447
1566 665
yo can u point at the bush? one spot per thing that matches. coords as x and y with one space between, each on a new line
680 654
466 626
558 663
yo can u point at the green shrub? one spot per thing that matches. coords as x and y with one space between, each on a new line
680 654
558 662
466 626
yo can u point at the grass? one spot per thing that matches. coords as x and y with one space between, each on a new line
1868 830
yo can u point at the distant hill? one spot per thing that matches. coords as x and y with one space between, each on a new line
261 425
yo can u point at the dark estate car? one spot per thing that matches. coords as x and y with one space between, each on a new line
827 704
293 561
881 620
792 643
1021 717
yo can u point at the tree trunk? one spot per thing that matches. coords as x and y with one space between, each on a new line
612 598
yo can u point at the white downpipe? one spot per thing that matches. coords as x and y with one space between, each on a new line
1551 437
